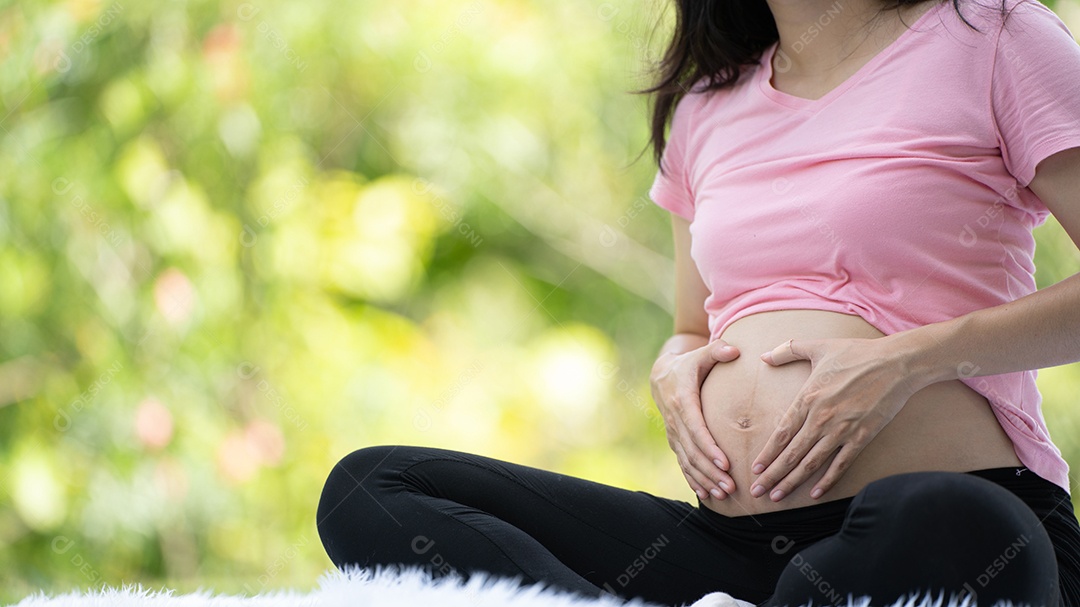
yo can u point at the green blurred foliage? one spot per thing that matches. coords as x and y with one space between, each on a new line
241 239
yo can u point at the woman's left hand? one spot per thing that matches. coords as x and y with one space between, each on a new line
856 387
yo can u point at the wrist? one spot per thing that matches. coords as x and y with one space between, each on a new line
924 353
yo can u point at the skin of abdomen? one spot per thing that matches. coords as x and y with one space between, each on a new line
944 426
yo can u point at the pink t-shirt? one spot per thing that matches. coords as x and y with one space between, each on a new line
900 196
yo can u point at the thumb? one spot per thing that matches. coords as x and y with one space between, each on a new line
789 351
720 351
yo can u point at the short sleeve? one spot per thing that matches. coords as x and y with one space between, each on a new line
671 190
1035 88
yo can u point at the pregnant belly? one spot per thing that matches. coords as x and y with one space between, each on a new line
944 426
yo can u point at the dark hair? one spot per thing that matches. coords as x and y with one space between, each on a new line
713 40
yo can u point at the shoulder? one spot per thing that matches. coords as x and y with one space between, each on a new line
698 93
1031 28
1021 13
1006 18
688 106
703 97
983 37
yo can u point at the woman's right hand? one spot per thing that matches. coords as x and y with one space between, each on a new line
676 381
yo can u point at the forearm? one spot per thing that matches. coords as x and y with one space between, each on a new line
1039 330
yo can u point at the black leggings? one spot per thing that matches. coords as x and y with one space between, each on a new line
1003 533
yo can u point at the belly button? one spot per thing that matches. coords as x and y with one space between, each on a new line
744 422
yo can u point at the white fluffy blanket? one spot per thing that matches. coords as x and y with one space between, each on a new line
390 588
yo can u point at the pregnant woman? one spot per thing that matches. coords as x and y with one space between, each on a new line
850 390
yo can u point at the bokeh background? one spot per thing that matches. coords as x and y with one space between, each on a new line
239 240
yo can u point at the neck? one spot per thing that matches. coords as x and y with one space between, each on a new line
817 35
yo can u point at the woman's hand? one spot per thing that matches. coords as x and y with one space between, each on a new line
676 381
856 387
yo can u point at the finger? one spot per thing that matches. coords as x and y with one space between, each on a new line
789 426
694 422
700 462
684 466
680 458
698 491
789 351
698 481
720 351
810 463
715 468
783 465
847 454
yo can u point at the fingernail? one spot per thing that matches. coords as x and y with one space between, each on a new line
816 493
715 493
724 486
777 495
758 469
718 464
727 349
700 494
767 357
757 491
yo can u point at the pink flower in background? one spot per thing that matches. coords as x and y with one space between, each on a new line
153 424
243 452
221 43
237 457
174 296
267 440
221 50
